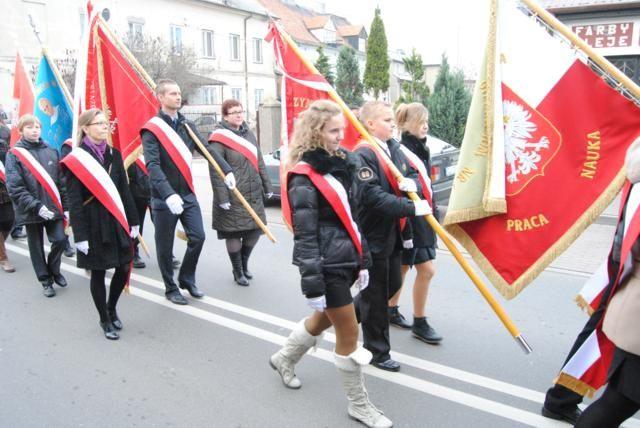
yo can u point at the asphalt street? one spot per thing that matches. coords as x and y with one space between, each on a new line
205 364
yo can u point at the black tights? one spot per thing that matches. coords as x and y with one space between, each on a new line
236 244
609 411
115 290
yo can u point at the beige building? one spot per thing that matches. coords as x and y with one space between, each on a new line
227 36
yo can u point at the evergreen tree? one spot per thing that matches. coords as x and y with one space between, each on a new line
376 72
415 90
348 82
323 65
449 105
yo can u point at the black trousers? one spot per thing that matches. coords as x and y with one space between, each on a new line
141 207
385 279
46 268
559 397
165 226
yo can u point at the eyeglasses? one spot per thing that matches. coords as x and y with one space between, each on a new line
99 123
235 112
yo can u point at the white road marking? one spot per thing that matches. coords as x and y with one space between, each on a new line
434 389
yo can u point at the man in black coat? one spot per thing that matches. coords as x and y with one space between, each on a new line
171 195
379 214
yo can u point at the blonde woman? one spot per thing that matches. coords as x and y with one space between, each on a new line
328 250
413 122
383 218
100 238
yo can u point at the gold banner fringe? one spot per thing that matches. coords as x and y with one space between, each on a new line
463 215
132 157
494 205
509 291
584 305
488 94
576 385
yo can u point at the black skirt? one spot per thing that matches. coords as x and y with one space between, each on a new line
624 374
239 234
418 255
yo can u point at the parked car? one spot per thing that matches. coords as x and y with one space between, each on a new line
206 123
444 158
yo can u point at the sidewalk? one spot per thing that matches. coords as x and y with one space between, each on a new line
583 256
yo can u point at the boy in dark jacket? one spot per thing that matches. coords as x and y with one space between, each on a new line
33 178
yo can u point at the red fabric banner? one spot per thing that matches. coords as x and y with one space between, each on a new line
23 94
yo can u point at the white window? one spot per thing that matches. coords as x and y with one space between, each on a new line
209 95
135 34
257 50
362 44
234 47
236 93
176 39
258 95
207 44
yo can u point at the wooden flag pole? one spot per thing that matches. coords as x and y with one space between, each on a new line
482 288
203 149
554 23
235 190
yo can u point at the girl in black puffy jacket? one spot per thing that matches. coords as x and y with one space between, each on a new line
329 251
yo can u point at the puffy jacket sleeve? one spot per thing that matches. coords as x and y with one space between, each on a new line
17 187
372 196
262 169
221 194
303 198
157 178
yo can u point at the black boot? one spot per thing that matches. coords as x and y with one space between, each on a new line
423 331
396 318
238 274
246 253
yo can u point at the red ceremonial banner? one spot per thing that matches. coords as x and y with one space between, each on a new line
23 94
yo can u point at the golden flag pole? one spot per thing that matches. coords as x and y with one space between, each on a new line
482 288
201 146
554 23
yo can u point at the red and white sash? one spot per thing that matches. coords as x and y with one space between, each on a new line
3 174
586 371
41 174
236 143
423 174
334 193
140 161
96 179
173 144
393 181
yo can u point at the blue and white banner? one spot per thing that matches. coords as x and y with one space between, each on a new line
51 106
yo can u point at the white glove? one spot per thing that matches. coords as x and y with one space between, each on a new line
269 195
317 303
422 208
174 202
408 185
83 247
135 232
226 206
363 279
45 213
66 216
230 181
408 244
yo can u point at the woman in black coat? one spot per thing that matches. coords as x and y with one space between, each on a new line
230 218
101 241
413 121
6 207
326 254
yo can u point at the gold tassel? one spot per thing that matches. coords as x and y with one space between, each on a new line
576 385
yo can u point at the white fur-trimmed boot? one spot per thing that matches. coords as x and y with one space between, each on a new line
285 360
360 408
